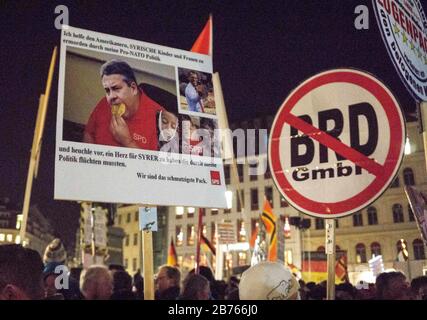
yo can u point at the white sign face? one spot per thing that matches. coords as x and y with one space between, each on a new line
336 143
226 233
100 227
127 133
148 219
403 26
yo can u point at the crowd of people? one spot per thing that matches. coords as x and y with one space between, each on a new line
24 274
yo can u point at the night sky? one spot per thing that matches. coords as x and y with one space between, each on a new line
262 51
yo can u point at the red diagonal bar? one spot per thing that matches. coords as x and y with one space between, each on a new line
327 140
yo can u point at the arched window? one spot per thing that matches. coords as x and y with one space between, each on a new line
372 216
408 177
360 253
357 219
321 249
419 252
375 249
395 183
397 213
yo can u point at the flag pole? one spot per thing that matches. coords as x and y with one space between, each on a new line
199 239
35 150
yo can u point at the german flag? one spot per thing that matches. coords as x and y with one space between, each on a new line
315 266
269 219
172 257
207 245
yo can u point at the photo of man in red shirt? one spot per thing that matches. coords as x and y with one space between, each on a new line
136 127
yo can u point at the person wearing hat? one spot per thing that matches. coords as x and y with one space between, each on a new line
268 281
54 266
54 256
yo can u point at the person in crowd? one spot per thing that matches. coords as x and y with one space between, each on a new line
96 283
138 285
419 288
214 285
195 287
168 283
21 273
122 286
392 286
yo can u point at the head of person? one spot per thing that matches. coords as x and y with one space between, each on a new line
54 257
167 277
20 273
392 286
168 125
119 82
193 78
268 281
122 281
195 287
419 288
96 283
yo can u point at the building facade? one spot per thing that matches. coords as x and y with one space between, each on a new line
39 232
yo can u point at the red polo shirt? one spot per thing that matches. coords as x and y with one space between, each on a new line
142 126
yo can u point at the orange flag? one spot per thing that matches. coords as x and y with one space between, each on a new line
203 43
269 220
253 237
172 258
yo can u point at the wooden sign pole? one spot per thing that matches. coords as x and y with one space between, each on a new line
148 272
330 253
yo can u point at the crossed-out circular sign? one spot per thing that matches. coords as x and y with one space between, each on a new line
336 143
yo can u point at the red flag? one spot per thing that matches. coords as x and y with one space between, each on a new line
172 258
203 43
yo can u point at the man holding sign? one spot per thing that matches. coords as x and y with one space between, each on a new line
126 116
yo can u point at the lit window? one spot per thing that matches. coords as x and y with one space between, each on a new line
360 253
242 258
179 236
191 210
9 238
241 230
18 239
191 235
2 237
179 211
